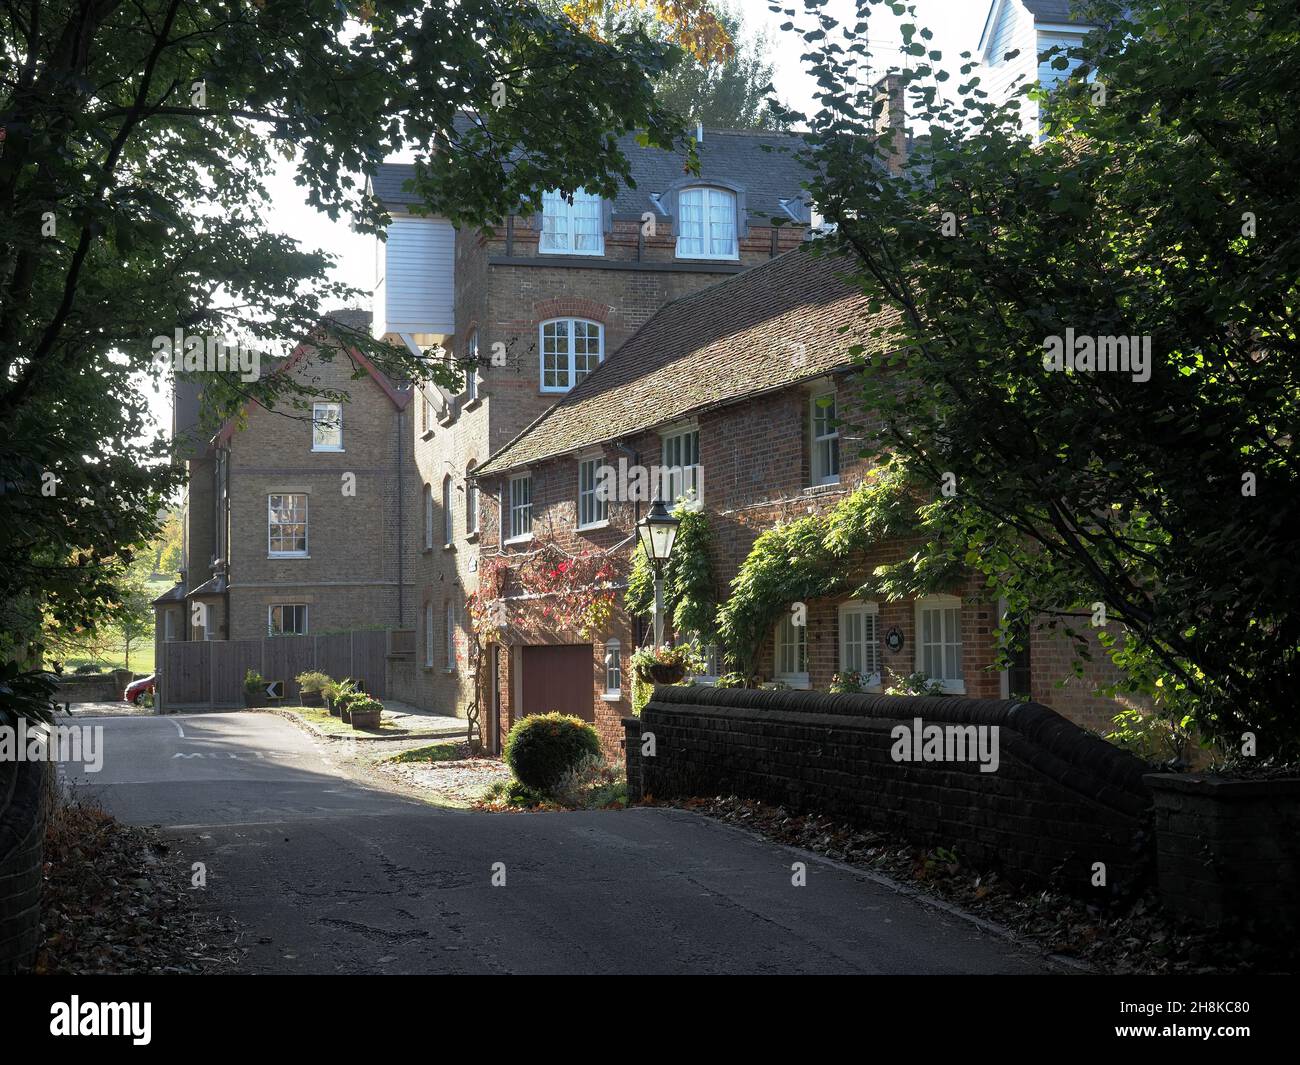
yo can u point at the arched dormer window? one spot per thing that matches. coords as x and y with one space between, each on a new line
570 349
707 223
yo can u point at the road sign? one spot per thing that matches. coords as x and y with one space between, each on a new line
275 689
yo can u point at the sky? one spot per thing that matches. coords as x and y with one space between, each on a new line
956 25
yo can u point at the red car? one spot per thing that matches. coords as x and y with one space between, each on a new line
137 688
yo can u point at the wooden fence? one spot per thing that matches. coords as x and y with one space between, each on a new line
210 673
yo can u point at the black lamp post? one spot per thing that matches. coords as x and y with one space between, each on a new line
658 532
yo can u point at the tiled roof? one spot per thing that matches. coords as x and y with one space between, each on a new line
760 161
770 327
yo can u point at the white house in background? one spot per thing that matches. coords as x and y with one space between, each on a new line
1029 27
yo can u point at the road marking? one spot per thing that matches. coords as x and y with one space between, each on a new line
179 731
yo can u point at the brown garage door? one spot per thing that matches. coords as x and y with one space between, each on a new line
559 678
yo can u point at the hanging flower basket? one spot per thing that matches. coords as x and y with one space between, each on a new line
667 665
662 672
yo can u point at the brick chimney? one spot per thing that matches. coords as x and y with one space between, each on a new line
891 125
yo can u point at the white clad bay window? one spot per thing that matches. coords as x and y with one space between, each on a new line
860 641
706 227
519 518
938 641
571 348
287 525
571 228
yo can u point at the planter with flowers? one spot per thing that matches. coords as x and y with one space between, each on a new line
666 665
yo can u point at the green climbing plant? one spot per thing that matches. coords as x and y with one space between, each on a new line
817 556
690 593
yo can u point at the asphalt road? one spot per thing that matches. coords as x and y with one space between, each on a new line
328 876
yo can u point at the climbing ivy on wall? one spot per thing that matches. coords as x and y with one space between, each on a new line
819 556
690 593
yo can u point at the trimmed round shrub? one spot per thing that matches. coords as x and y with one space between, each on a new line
540 749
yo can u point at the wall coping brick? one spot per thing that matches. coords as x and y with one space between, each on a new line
1222 789
1064 751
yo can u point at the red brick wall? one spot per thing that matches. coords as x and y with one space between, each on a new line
755 475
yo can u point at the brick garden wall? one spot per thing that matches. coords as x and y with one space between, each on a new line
1059 801
26 794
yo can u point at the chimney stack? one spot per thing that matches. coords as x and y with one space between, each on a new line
891 124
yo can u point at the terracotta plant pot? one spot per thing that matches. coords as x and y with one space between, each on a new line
365 718
661 673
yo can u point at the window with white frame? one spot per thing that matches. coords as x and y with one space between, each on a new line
860 641
613 669
450 619
287 525
520 512
471 369
791 652
327 427
825 452
711 654
471 500
938 641
681 466
169 625
706 226
448 524
428 635
572 227
571 348
286 619
428 517
592 508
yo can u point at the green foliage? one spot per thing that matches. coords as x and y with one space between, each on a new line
683 657
915 684
592 784
735 680
313 681
138 143
541 748
690 596
254 681
847 682
346 694
1153 738
810 558
1163 206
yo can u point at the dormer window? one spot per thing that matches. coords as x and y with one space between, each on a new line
571 349
571 227
706 226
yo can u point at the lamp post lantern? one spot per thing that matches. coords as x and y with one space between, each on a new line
658 532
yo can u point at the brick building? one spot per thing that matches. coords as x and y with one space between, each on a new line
748 385
532 308
297 521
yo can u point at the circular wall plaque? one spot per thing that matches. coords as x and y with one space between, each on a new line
894 640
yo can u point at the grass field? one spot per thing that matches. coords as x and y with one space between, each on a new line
142 652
